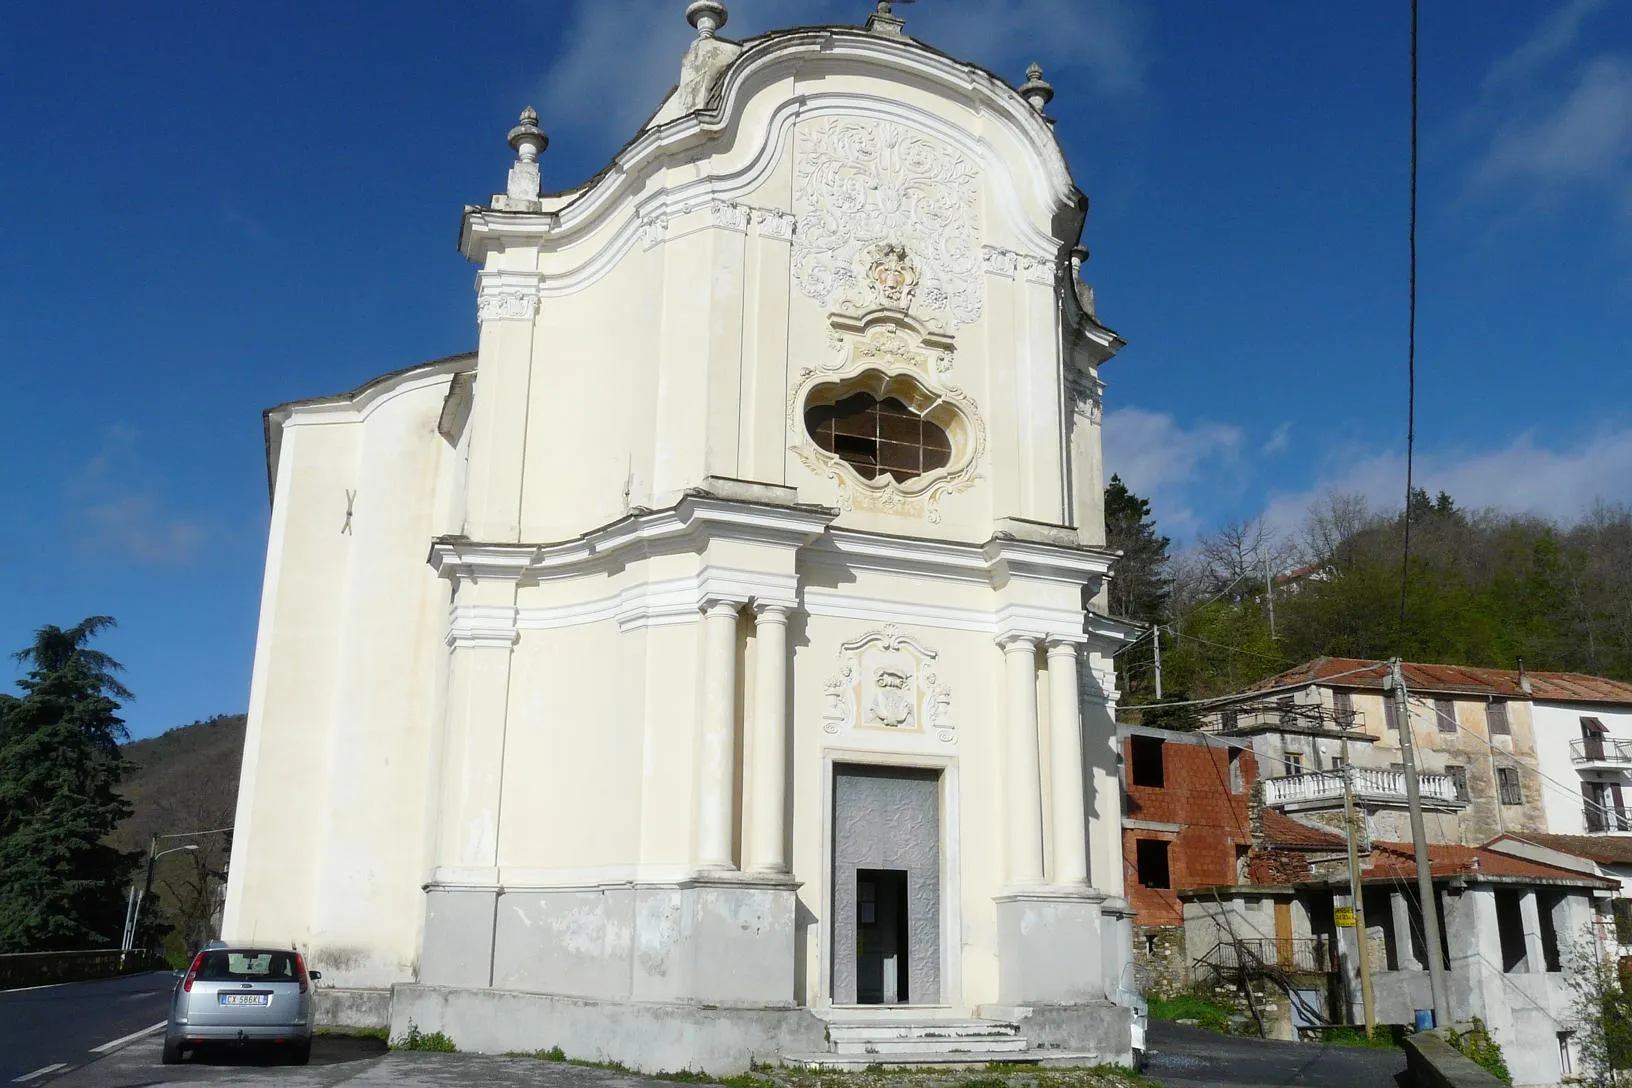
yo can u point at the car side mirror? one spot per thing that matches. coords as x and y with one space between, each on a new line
314 975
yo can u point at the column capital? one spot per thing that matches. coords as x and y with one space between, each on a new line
1063 645
1016 642
771 611
719 606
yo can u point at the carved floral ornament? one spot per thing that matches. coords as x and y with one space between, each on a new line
868 193
890 358
887 681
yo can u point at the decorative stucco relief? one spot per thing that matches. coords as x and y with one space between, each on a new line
1087 394
1008 263
887 680
862 184
506 305
891 346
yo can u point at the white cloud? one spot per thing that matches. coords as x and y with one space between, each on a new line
1279 439
1160 459
622 55
1555 36
1522 476
113 508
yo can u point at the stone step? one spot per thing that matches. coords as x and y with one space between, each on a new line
967 1044
875 1030
939 1058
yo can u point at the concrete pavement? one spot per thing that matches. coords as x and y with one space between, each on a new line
55 1028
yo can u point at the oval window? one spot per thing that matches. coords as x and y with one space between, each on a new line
879 437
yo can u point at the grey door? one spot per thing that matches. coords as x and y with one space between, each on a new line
886 885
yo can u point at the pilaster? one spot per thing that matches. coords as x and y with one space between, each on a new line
507 308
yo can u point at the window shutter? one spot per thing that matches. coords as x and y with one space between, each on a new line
1496 718
1343 708
1391 712
1445 715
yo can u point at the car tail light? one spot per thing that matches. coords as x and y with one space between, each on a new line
300 973
192 973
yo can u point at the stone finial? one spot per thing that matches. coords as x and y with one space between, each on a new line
883 20
1079 257
707 16
1036 90
528 140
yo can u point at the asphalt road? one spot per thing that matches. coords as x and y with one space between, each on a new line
1186 1057
61 1025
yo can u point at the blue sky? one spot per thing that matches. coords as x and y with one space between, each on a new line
209 209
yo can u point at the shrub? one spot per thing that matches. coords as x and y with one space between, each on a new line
1477 1046
424 1040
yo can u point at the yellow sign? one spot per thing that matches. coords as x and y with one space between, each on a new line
1344 916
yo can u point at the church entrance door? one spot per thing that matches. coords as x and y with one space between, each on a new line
886 886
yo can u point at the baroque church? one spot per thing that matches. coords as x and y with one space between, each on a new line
762 709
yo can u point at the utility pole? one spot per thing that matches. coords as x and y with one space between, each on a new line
1269 594
1419 839
1158 632
1362 940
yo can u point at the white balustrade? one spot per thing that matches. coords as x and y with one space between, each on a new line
1370 784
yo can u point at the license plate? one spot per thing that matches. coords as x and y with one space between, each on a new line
246 999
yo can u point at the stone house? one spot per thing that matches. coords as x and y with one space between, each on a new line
706 669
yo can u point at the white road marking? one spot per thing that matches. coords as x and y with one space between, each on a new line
42 1071
132 1037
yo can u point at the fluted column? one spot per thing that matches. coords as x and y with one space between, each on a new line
1025 801
717 759
1065 757
766 835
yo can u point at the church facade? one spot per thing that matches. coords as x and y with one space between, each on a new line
708 664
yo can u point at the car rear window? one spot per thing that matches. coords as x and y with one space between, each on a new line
248 966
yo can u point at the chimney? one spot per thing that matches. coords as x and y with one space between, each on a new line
1524 680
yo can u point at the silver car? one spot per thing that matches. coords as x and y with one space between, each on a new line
240 995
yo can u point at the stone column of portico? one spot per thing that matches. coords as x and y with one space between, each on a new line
1406 951
716 765
1535 956
1065 760
1024 802
766 851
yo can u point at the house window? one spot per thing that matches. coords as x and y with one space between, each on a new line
1150 859
1510 931
1229 719
1294 762
1459 779
1507 786
1343 709
1391 712
1445 715
1235 770
1566 1064
1146 759
1496 722
879 437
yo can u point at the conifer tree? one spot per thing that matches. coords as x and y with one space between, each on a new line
60 884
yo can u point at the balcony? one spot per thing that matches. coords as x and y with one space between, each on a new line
1605 821
1324 789
1604 752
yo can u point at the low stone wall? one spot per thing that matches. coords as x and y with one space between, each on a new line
1431 1062
335 1007
21 969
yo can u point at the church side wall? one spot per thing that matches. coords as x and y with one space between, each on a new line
343 717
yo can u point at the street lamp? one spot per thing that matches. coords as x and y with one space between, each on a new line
153 855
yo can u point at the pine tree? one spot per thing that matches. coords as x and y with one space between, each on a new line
1140 584
60 885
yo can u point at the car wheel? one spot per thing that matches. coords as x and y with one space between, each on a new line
172 1052
300 1053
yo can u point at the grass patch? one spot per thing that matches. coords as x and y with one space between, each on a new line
1209 1014
1384 1039
995 1075
432 1041
382 1034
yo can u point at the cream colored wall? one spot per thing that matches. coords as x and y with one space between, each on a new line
344 703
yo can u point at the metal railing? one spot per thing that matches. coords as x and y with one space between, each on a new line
1600 750
1307 955
1258 716
19 969
1370 784
1600 819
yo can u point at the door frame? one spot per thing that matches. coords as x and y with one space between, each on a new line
951 997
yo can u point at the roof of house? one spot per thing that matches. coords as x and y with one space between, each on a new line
1349 672
1394 861
1282 832
1604 849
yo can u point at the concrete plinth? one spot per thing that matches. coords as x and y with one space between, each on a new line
720 940
649 1037
1051 948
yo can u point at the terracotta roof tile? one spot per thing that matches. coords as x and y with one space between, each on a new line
1398 861
1604 849
1283 832
1349 672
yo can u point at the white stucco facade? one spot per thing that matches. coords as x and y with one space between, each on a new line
565 643
1572 764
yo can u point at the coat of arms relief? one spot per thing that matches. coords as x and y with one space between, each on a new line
887 681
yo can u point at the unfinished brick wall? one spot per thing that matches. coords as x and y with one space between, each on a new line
1211 820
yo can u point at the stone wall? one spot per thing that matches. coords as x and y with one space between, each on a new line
1160 956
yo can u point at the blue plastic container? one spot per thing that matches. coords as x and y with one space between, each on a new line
1425 1019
